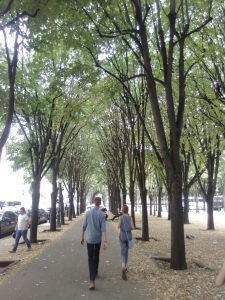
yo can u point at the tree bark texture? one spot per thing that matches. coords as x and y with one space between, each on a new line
71 204
159 215
186 207
210 218
178 258
34 211
132 200
53 202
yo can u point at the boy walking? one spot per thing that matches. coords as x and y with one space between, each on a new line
21 230
94 227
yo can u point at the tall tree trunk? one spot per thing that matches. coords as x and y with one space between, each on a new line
53 202
71 204
210 218
151 203
78 202
145 230
154 206
169 209
186 206
118 198
61 205
159 203
73 211
12 68
132 201
35 206
178 259
111 204
123 177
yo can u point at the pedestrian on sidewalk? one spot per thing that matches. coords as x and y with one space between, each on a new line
21 230
125 225
94 228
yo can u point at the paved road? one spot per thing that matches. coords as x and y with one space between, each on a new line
61 272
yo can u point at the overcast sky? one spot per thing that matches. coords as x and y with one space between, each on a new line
13 188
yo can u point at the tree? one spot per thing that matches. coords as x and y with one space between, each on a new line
13 22
66 126
48 114
190 173
109 138
130 23
210 147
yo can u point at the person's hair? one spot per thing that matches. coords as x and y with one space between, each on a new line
97 201
22 208
125 209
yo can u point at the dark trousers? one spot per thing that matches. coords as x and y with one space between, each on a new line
93 259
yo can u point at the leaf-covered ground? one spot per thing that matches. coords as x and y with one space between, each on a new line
205 254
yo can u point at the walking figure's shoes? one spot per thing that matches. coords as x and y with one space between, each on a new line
92 286
124 274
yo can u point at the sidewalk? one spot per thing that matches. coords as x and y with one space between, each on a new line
61 272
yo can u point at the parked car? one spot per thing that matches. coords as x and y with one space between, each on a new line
43 216
218 202
8 220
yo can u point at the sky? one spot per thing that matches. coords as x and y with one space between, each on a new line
13 187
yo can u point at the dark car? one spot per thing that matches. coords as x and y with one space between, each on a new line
43 216
8 220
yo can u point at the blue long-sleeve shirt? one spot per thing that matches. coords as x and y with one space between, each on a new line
93 226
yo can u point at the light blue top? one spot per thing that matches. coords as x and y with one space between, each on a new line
94 225
125 228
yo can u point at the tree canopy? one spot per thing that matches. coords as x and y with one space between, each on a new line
114 96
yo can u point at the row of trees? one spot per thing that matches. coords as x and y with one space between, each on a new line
150 50
49 113
151 113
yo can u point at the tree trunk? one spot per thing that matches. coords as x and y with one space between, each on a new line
186 207
34 211
210 218
61 205
132 201
53 202
78 202
118 198
70 195
73 211
12 68
154 204
169 210
151 202
178 260
83 198
123 177
145 230
159 203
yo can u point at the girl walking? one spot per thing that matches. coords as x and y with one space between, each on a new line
125 225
